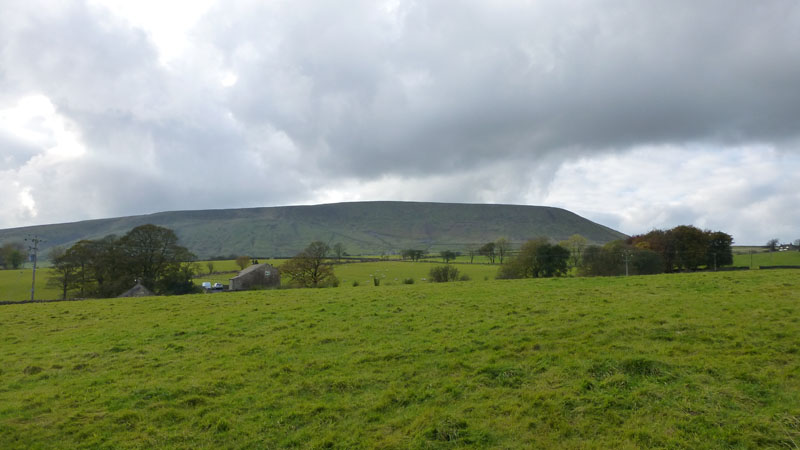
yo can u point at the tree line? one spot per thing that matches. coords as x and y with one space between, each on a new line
684 247
108 267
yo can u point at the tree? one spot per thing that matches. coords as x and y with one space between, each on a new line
308 268
536 258
646 262
488 250
575 244
719 252
448 255
177 279
82 255
687 247
471 252
151 251
109 271
414 255
600 261
772 244
338 251
502 246
63 273
691 246
242 261
797 243
109 266
12 255
210 267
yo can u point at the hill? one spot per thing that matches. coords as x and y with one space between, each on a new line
363 227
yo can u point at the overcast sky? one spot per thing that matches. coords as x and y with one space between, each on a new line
634 114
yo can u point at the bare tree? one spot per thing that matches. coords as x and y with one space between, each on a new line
772 244
488 250
243 261
502 246
472 250
338 251
308 268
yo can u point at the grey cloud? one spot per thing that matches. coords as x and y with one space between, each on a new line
15 152
522 79
462 101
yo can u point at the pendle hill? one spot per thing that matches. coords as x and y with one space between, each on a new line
364 228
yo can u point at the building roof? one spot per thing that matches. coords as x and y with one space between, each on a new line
138 291
252 268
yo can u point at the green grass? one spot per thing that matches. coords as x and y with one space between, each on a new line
394 272
704 360
767 259
16 285
389 272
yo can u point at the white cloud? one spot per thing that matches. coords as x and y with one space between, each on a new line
744 191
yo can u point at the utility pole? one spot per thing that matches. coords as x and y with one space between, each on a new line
33 248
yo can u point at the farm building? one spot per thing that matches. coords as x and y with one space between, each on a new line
257 276
137 291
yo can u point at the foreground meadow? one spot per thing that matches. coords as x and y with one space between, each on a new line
702 360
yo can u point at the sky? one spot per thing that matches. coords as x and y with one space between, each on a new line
637 115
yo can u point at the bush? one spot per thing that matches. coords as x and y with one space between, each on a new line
376 281
355 283
443 274
408 281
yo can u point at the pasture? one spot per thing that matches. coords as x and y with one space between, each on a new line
703 360
15 284
766 259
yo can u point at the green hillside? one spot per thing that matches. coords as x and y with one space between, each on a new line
363 227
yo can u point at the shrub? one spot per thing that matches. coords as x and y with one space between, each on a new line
355 283
376 281
408 281
443 274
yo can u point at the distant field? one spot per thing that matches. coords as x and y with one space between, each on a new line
767 259
16 285
394 272
389 272
703 360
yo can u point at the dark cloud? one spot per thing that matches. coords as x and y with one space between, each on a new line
442 88
460 101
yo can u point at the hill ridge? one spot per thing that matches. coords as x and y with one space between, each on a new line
370 227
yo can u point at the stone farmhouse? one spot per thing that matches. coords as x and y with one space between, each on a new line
257 276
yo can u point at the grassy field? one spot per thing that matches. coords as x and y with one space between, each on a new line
16 285
388 272
704 360
767 259
394 272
